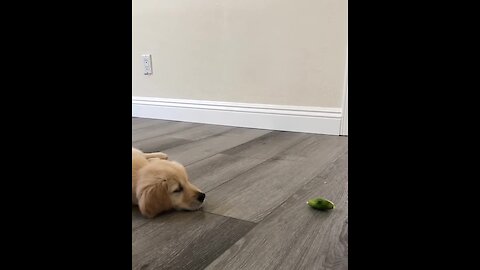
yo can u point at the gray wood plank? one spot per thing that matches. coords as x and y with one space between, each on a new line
137 219
201 149
147 123
179 137
200 132
315 147
269 145
247 174
295 236
184 240
254 194
138 120
154 132
159 143
216 170
151 125
263 188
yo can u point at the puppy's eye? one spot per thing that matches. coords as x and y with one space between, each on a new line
179 189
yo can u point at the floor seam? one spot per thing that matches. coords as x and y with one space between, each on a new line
269 159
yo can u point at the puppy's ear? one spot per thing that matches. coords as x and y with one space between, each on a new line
153 199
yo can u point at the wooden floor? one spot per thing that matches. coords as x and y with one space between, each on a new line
255 215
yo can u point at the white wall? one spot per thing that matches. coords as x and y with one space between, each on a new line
279 52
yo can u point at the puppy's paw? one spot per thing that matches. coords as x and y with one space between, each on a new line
162 156
158 155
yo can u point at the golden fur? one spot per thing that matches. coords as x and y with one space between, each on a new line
159 185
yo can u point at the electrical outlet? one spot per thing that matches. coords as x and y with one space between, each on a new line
147 64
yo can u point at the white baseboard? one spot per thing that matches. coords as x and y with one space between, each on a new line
263 116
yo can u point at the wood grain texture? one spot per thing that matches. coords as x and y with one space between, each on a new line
268 145
154 131
136 120
147 123
316 148
254 194
255 214
176 138
218 169
200 132
184 240
295 236
137 219
210 146
159 144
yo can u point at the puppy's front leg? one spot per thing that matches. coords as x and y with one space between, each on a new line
159 155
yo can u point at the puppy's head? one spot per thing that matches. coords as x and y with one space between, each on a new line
163 186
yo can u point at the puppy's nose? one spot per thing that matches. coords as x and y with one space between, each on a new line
201 197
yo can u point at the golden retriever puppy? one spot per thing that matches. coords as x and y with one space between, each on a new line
159 185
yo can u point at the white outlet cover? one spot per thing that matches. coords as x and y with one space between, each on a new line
147 64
